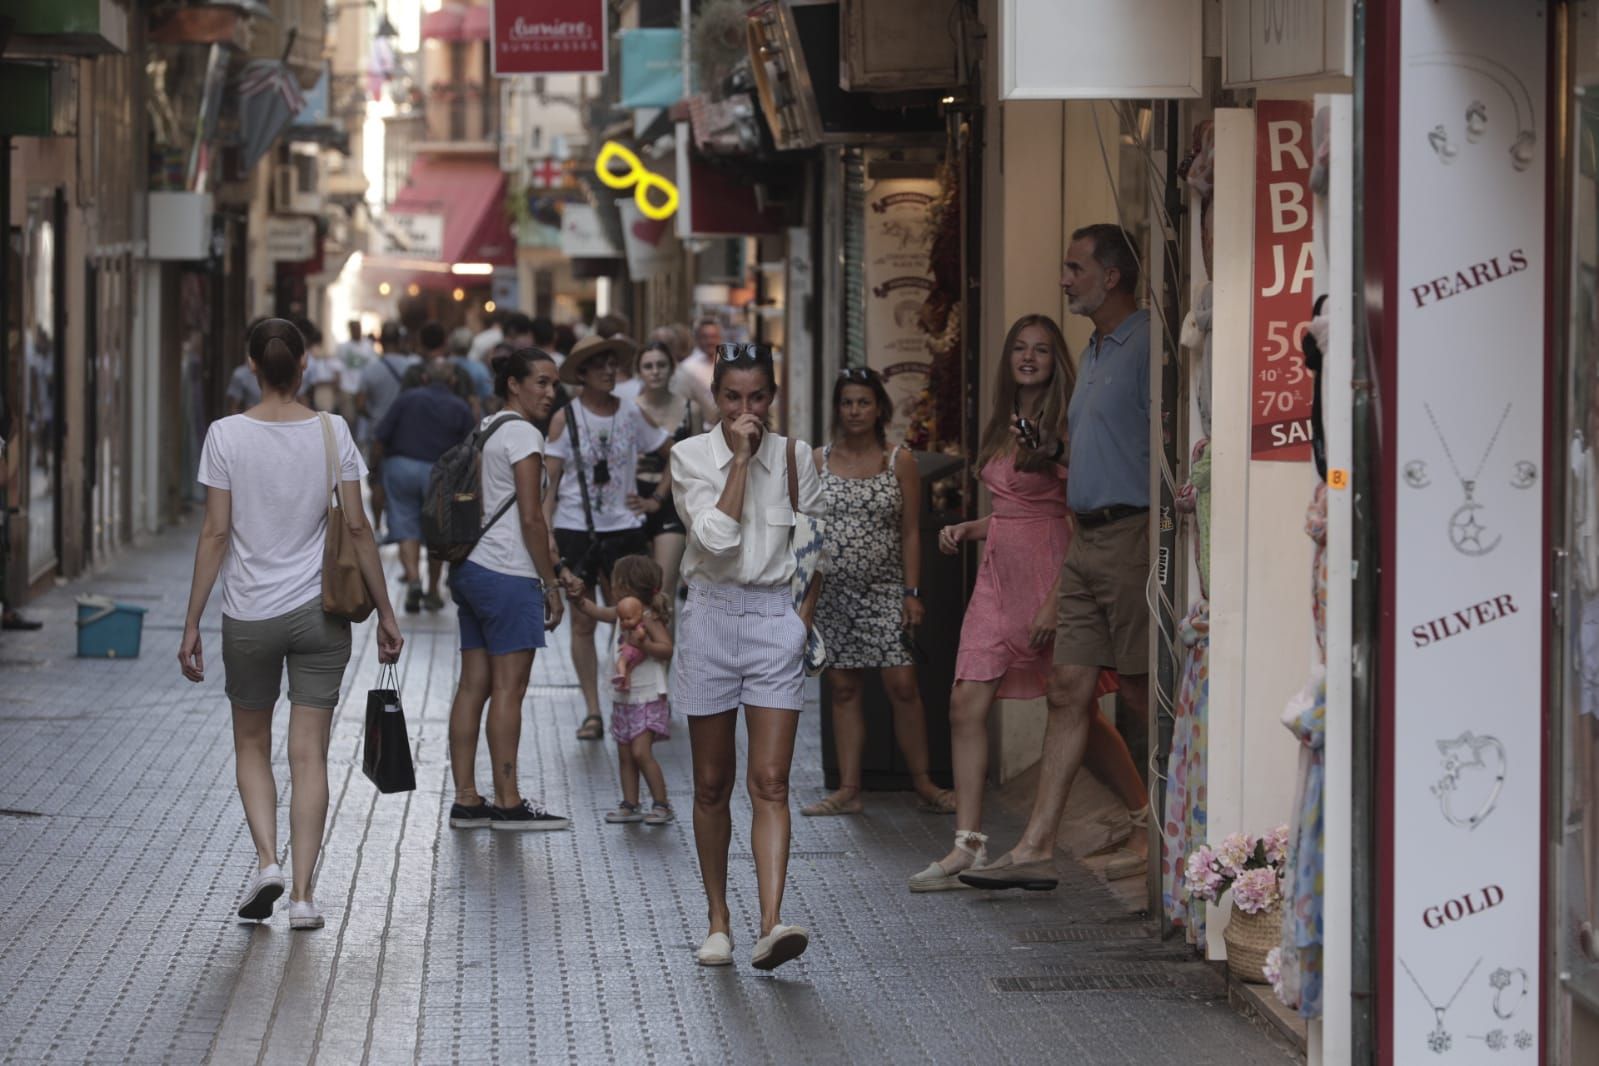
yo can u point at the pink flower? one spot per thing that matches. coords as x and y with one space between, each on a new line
1256 890
1277 845
1200 876
1234 853
1272 969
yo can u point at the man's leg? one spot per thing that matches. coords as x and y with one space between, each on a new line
1071 705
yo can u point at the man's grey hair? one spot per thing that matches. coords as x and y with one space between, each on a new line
1113 249
440 369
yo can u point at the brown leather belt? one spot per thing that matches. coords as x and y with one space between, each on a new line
1104 516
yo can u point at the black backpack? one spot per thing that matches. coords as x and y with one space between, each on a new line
452 514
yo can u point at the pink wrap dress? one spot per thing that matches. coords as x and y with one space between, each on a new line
1027 538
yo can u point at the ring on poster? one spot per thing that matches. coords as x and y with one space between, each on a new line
1416 474
1466 534
1462 755
1525 476
638 178
1523 147
1440 1039
1501 979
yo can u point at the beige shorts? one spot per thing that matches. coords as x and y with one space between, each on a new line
315 645
1104 616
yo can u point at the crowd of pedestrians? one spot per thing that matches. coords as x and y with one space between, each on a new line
644 490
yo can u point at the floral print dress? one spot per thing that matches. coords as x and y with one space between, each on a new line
861 607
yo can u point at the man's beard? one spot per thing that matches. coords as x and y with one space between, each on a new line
1085 305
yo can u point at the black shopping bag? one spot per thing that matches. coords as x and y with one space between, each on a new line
387 756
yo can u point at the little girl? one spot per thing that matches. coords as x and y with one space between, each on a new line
640 711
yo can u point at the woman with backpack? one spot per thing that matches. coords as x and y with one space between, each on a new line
268 476
504 590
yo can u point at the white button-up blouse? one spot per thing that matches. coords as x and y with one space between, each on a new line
755 550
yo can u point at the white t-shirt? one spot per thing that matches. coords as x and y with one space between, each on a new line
277 475
618 439
627 391
503 549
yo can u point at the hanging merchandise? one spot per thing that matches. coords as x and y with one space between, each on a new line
1299 961
1184 818
1196 337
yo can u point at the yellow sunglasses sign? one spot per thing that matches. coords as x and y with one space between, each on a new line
637 178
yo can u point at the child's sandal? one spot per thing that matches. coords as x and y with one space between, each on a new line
660 814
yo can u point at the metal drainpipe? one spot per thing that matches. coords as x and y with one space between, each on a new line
1365 614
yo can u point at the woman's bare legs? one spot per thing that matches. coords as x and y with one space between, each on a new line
849 735
508 674
712 742
466 722
910 727
771 755
308 793
969 705
585 661
258 789
668 552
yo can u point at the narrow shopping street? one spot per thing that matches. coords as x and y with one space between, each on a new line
123 850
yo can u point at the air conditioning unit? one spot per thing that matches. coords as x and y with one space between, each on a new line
296 185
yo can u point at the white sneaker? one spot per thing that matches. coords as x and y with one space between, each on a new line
264 892
716 951
304 915
783 943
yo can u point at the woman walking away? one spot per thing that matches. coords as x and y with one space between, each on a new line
266 508
683 419
641 713
871 603
593 501
1009 629
740 640
506 598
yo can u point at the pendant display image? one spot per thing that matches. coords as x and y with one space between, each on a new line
1440 1039
1466 534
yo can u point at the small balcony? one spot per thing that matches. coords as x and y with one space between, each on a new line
461 117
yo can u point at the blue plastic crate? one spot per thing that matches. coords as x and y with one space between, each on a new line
107 629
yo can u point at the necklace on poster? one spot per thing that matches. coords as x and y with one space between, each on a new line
1468 535
1463 754
1440 1039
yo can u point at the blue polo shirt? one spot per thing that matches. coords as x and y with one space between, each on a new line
423 424
1108 420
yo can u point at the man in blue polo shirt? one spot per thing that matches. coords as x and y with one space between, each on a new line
421 425
1103 618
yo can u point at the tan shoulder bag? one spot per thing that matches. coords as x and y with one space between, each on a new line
344 591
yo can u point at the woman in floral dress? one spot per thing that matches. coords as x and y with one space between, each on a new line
870 600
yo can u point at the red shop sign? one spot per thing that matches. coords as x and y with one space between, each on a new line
1284 277
550 37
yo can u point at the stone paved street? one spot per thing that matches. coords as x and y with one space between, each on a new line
123 851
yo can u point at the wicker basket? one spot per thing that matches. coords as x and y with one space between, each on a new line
1248 938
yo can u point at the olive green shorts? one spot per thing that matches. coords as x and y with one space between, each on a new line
315 645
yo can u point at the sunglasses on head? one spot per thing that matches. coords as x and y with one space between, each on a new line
740 353
862 374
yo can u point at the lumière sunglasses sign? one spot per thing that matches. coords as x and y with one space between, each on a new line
1463 760
550 36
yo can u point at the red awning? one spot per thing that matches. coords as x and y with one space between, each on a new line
443 24
470 196
456 22
475 27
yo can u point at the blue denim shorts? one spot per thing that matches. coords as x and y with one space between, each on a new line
405 483
501 612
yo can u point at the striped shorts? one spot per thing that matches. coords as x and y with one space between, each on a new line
738 644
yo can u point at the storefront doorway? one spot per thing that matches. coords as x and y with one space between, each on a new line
42 372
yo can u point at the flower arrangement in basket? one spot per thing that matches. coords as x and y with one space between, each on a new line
1253 868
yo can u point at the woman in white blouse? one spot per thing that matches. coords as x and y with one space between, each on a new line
740 641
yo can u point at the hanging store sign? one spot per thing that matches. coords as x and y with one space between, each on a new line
898 276
550 37
619 168
652 67
1462 730
1284 292
651 244
1093 50
290 240
583 236
407 236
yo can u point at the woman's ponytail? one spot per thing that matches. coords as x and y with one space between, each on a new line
276 347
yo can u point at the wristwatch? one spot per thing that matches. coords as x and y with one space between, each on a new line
913 592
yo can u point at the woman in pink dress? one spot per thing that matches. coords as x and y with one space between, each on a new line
1007 638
